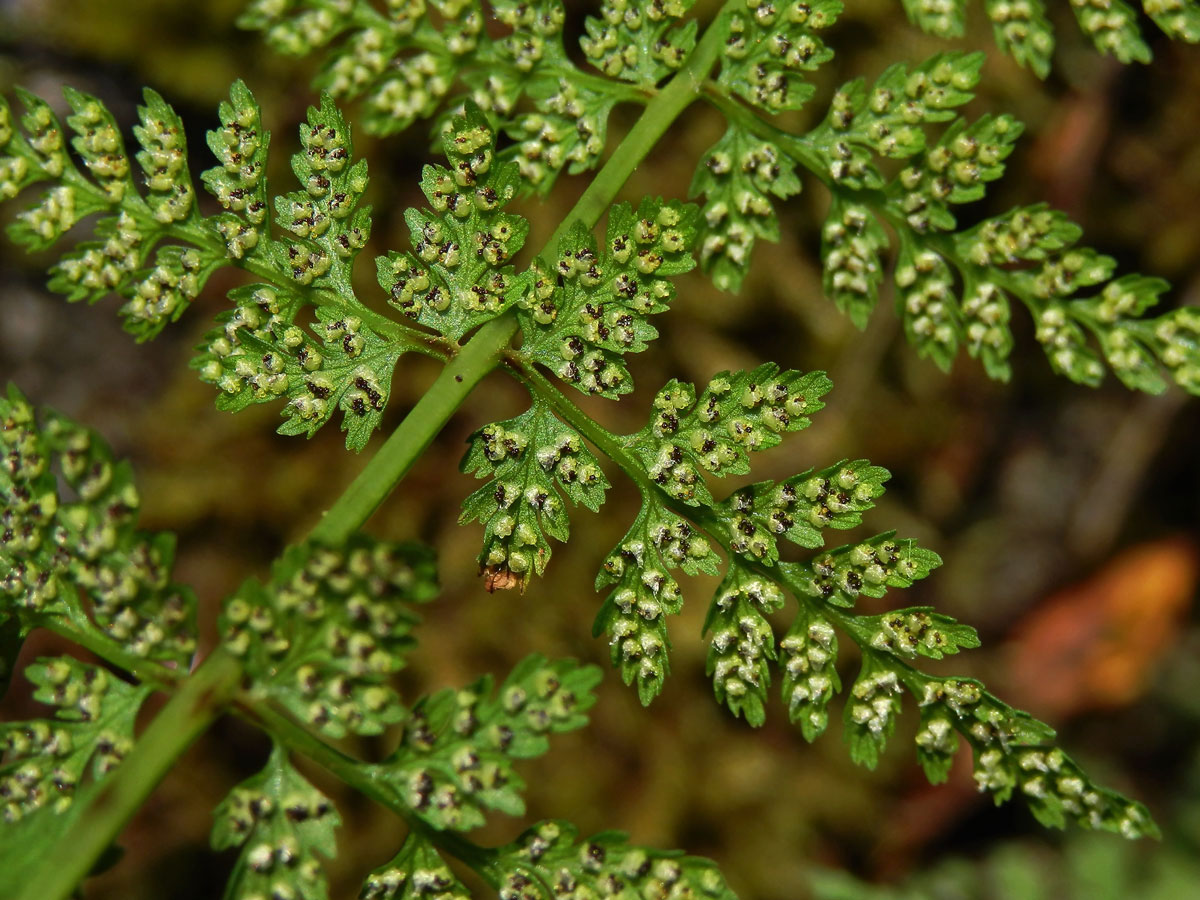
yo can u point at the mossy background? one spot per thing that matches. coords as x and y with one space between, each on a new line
1069 518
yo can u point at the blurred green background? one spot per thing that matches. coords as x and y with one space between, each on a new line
1068 517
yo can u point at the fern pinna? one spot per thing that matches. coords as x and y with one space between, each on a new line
308 652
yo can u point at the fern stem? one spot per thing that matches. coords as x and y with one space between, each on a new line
104 808
484 350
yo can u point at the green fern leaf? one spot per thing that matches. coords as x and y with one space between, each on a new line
867 568
260 352
887 119
743 642
955 289
798 508
324 637
1112 27
283 824
808 658
644 593
257 354
45 760
944 18
457 278
1135 347
131 227
771 46
580 316
531 461
550 854
1179 19
919 631
1023 31
737 175
239 181
642 44
59 545
417 872
407 62
568 131
1014 754
871 711
738 413
459 747
852 241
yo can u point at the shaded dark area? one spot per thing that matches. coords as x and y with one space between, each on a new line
1068 517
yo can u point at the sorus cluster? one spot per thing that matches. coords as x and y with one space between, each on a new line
736 175
742 642
1113 28
567 132
458 750
770 45
45 760
328 633
737 414
801 507
416 873
851 243
871 711
281 822
550 853
913 632
869 567
582 315
644 593
57 549
638 42
532 460
808 657
929 306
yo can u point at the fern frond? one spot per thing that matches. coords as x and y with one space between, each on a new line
43 762
681 525
771 46
1015 755
324 637
584 310
736 176
531 461
954 288
131 227
737 414
260 352
283 825
643 594
742 642
456 759
567 132
417 872
414 63
457 276
642 44
70 550
1024 31
551 854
